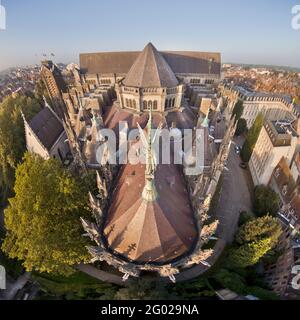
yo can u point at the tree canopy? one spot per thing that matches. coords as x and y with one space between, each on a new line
254 240
241 127
43 219
252 137
12 136
238 110
257 229
266 201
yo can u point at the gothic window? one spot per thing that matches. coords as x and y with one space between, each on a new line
149 105
166 104
127 103
130 104
145 105
170 103
134 104
173 103
155 105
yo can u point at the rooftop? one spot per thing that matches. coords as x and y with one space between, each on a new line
181 62
46 127
280 132
150 70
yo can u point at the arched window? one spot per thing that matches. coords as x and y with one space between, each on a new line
127 105
134 104
145 105
173 103
149 105
170 103
155 105
130 104
166 104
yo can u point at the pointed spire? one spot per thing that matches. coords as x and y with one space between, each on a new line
101 184
149 192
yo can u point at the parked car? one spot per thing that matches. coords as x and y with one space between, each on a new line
237 149
243 165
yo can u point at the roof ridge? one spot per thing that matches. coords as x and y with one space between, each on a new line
156 55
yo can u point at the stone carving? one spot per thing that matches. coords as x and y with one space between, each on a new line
196 258
207 232
78 157
92 230
102 185
96 209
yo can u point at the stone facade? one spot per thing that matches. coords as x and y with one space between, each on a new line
159 99
274 143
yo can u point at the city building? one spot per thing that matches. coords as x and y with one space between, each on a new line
279 275
192 68
277 140
285 180
272 106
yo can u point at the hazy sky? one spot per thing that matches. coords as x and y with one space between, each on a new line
245 31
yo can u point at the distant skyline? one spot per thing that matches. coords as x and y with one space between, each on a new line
252 32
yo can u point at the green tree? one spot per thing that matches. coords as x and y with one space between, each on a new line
241 127
231 280
43 219
237 110
249 254
266 201
244 218
12 137
254 240
252 137
258 229
76 286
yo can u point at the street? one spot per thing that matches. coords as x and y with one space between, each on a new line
235 197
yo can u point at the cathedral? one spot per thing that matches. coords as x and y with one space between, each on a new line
148 217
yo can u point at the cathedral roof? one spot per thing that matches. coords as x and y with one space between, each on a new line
181 62
150 70
150 231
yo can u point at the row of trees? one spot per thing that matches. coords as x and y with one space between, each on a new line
252 134
237 114
252 137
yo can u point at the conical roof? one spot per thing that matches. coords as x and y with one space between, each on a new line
150 231
150 70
